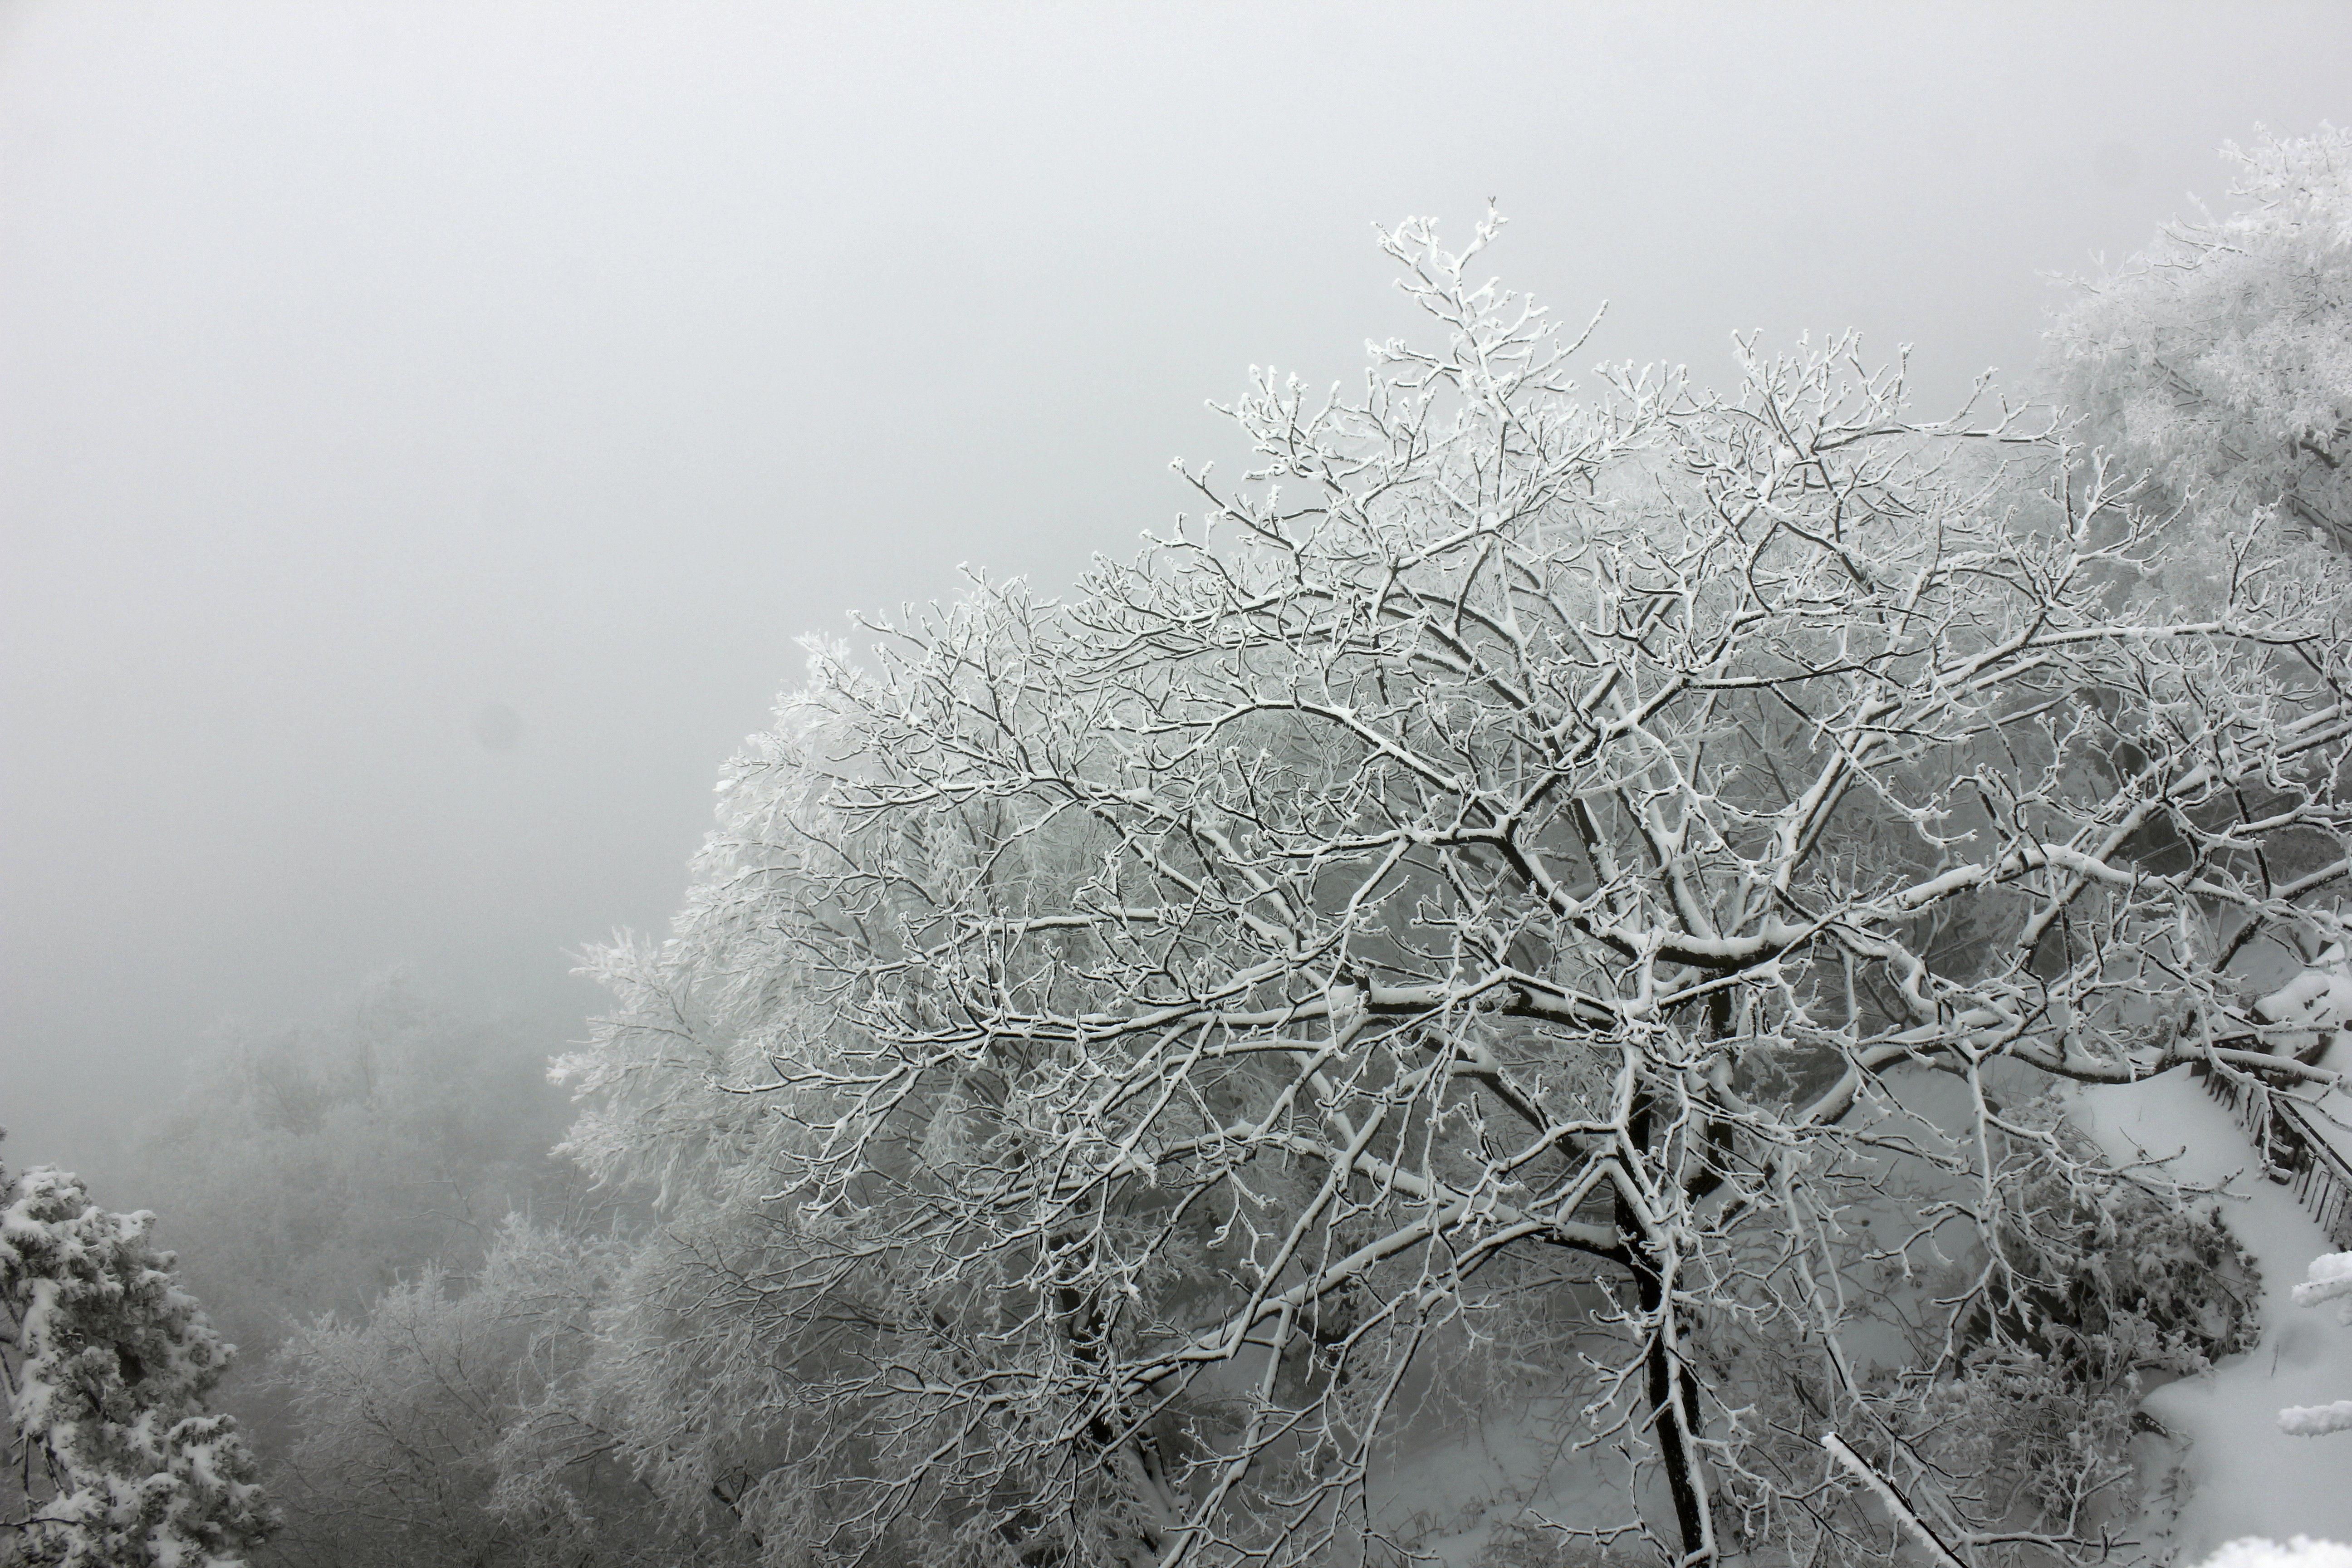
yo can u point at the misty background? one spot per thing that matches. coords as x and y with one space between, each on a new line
424 429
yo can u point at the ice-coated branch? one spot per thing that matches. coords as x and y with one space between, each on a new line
1897 1509
1507 887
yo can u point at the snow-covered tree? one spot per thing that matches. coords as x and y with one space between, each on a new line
404 1415
107 1362
1516 889
309 1168
2221 359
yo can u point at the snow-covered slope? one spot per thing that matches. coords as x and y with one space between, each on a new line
2250 1477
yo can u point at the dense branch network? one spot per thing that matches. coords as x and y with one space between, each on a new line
1517 844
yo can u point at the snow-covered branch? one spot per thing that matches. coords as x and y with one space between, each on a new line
1516 848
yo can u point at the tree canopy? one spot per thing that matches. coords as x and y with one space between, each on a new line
1518 881
2219 360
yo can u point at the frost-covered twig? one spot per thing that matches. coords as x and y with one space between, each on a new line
1897 1509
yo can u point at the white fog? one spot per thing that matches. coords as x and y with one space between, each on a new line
1507 981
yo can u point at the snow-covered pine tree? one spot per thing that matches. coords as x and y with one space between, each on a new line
115 1461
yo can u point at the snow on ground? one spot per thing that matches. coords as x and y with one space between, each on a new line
2300 1552
1450 1495
2249 1477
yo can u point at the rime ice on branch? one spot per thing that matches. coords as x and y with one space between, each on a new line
2219 360
1492 876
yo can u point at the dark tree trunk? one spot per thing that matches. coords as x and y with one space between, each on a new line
1673 1399
1672 1395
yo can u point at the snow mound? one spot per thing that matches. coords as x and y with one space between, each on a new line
2316 1420
2328 1277
2317 1001
2303 1552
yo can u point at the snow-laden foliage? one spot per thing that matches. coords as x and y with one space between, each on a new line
369 1195
2091 1288
108 1362
1490 898
2221 359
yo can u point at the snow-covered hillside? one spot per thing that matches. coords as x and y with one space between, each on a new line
2247 1477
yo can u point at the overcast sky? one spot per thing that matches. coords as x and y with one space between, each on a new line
424 429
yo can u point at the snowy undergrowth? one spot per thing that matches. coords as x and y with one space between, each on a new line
2246 1476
